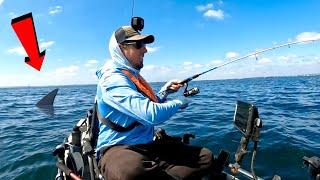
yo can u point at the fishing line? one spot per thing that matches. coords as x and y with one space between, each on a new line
253 54
195 90
132 9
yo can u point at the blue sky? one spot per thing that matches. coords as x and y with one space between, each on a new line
191 36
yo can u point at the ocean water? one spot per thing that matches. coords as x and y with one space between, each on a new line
289 108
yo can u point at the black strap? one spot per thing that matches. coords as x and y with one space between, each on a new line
94 126
113 125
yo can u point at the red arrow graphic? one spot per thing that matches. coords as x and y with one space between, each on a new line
26 32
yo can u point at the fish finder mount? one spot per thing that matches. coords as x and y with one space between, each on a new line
246 120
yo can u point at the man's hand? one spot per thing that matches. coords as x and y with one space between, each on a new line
171 86
174 86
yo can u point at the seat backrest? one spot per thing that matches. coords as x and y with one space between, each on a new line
77 152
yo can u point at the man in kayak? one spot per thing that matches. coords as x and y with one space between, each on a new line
128 110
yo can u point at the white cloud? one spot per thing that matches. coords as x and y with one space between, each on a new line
165 69
187 63
157 73
287 57
65 71
182 72
210 12
152 49
92 71
149 67
202 8
64 75
188 68
17 50
1 1
215 14
12 15
91 63
307 36
153 68
216 62
55 10
264 61
220 2
283 58
46 44
231 55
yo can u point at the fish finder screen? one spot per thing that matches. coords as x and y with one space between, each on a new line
244 116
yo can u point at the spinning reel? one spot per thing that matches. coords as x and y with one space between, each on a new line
190 92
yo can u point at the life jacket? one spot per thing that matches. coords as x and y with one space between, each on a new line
144 88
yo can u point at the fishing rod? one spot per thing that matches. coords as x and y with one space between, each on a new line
194 91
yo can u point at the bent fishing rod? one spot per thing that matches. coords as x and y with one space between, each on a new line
246 56
195 91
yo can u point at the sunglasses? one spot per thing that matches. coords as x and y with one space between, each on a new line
136 44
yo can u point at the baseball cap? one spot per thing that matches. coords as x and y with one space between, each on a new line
127 33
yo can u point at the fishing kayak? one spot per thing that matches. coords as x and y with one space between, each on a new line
76 156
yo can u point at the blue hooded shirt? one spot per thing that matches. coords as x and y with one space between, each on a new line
119 100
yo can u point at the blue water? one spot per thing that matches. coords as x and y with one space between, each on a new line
288 106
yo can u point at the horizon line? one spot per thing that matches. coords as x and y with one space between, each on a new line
28 86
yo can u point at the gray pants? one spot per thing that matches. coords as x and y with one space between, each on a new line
155 161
